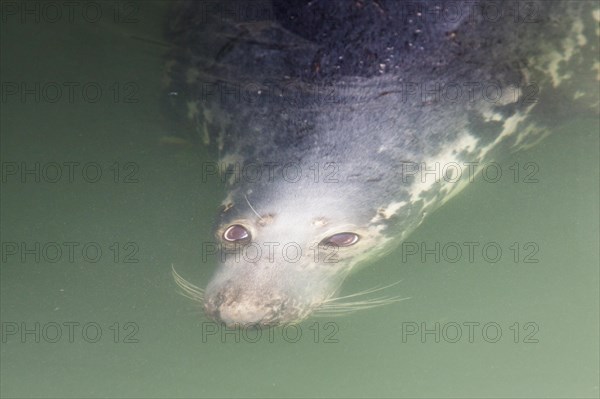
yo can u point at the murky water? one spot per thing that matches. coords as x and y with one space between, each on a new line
89 307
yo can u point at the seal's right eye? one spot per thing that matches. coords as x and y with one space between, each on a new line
236 233
341 239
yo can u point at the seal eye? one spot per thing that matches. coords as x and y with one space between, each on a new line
236 233
341 240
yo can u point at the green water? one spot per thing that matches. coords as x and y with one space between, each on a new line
158 212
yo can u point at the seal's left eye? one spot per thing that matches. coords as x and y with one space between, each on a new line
236 233
341 240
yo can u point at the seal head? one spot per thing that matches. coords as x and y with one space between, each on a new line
329 118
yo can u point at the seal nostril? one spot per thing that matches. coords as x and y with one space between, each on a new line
236 233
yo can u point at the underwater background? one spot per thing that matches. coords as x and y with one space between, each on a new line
89 307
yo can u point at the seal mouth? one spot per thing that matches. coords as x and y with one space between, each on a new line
235 307
232 306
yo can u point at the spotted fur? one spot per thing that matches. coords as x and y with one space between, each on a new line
353 89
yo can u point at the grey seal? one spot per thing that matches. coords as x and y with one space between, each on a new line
329 116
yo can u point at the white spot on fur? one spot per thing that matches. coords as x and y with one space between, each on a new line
392 208
388 211
320 222
228 200
231 160
192 114
570 45
433 177
491 116
514 125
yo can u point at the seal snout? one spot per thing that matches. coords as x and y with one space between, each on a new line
234 307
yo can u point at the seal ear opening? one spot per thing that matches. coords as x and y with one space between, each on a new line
344 239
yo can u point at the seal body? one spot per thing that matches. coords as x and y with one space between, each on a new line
340 124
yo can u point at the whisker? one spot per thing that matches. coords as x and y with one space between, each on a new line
364 292
364 302
339 306
253 210
189 290
358 305
351 308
